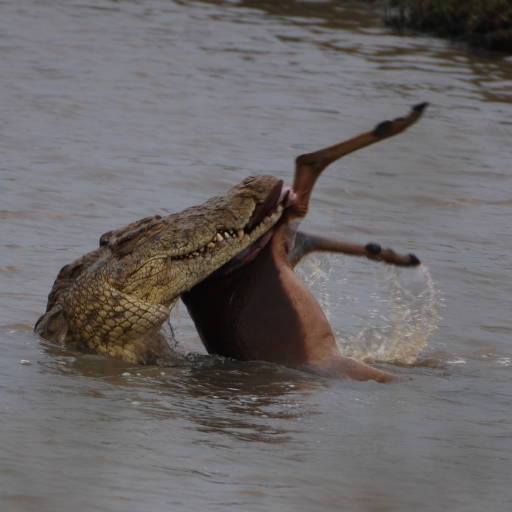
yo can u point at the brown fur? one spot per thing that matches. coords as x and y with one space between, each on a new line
262 311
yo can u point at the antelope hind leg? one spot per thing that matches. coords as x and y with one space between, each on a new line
306 244
308 167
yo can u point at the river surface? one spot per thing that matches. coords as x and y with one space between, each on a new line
112 111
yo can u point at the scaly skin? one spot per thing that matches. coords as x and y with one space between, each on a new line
115 299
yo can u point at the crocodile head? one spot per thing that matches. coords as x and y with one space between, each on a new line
160 258
115 299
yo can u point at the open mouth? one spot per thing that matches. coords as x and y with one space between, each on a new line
257 232
285 198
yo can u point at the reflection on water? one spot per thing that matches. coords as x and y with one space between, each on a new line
333 15
234 396
113 111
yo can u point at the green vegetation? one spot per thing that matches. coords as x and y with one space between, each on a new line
482 23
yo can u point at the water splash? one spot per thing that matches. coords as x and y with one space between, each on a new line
381 313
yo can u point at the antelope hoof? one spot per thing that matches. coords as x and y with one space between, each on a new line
413 260
373 248
420 106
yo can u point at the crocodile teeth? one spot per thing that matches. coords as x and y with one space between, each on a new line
226 234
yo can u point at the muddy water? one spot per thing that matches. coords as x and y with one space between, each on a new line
113 111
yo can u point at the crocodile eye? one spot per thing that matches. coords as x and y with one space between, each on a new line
105 238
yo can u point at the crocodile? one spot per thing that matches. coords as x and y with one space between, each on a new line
115 299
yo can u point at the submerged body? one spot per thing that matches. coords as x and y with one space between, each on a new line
264 312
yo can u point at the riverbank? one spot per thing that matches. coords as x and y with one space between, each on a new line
485 24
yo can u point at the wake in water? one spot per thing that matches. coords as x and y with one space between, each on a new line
379 313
